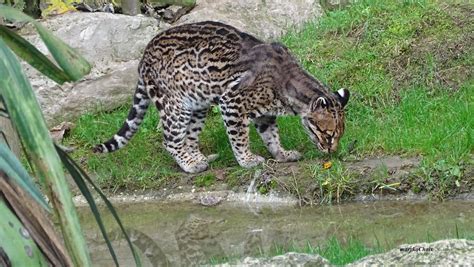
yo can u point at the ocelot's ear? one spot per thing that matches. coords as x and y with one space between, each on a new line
343 96
318 103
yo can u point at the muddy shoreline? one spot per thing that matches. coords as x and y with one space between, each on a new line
236 199
292 184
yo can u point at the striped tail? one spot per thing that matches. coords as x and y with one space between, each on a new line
141 101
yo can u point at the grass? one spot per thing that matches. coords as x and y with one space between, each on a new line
337 251
205 180
408 65
333 250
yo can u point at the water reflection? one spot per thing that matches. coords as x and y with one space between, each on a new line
186 234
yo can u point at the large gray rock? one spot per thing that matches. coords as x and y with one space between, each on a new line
454 252
267 19
114 45
288 259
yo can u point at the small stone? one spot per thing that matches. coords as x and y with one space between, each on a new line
210 200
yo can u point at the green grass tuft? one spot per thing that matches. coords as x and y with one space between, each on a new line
205 180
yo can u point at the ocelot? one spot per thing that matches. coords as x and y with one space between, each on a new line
186 69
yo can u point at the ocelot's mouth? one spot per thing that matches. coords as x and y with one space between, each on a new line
314 137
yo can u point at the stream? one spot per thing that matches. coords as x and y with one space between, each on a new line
184 233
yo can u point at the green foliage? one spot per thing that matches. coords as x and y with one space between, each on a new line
56 7
265 187
13 169
205 180
335 251
72 65
339 254
18 97
23 109
333 182
21 250
17 4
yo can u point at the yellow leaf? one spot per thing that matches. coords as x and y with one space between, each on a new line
57 7
327 165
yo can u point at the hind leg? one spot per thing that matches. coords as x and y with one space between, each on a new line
267 128
194 129
175 129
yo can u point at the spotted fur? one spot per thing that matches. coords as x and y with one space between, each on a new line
187 68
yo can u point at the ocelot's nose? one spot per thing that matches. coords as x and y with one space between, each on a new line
332 148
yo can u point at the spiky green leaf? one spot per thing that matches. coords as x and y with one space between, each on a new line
26 116
79 176
32 55
20 249
10 165
73 64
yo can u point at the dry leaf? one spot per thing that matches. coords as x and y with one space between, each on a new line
327 165
58 132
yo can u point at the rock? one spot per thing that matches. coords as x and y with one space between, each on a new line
112 43
173 13
267 20
209 201
454 252
288 259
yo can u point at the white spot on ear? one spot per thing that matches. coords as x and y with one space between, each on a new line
322 99
342 92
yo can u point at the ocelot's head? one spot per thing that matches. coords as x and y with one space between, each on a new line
324 119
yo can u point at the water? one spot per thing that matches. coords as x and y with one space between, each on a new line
177 234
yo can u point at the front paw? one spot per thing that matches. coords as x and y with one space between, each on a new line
250 160
212 157
195 167
288 156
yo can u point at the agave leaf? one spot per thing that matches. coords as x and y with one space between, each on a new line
70 61
14 14
33 56
20 250
35 221
79 176
10 165
26 116
73 64
76 176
